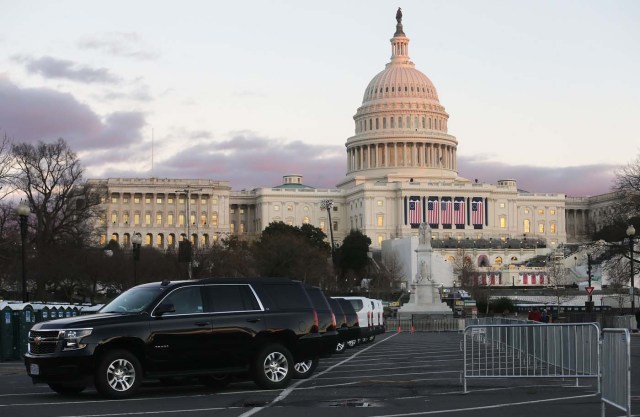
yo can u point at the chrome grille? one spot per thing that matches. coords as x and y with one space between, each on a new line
43 342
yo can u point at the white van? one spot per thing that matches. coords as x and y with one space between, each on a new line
365 308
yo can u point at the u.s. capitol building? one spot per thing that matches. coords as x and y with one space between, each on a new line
401 170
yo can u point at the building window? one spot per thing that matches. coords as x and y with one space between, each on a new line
384 122
114 200
527 226
380 239
125 217
181 199
322 225
136 200
114 217
136 219
541 228
170 219
335 225
147 200
181 219
241 211
502 205
305 220
158 219
526 211
214 219
276 208
170 200
552 212
192 218
214 201
193 200
392 123
289 207
380 202
147 219
503 222
552 228
540 212
203 219
380 220
159 200
232 227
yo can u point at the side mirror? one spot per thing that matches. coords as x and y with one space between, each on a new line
165 308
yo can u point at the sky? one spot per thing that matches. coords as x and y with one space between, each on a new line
546 92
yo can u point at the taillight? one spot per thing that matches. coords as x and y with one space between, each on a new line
333 320
316 323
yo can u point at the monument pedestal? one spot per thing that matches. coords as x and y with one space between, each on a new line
425 300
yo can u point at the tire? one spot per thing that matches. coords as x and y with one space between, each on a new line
304 369
352 343
118 374
63 389
340 347
372 338
272 367
215 381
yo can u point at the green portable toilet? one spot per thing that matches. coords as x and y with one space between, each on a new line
75 311
68 311
6 332
24 319
53 312
43 313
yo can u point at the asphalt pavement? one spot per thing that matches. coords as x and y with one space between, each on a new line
399 374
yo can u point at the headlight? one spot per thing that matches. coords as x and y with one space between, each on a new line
73 338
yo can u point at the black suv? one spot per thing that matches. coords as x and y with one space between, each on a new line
210 329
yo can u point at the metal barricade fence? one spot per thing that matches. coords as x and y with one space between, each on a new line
428 324
624 322
616 370
531 350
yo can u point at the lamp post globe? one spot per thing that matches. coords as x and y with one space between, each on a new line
23 211
631 231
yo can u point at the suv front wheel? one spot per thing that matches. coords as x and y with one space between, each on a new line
304 369
118 374
272 367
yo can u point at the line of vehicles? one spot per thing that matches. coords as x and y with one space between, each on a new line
213 330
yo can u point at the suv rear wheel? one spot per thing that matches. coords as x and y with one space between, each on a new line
304 369
340 347
272 367
118 374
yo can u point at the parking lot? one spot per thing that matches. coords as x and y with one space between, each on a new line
399 374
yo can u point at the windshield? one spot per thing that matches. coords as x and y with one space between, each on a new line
133 300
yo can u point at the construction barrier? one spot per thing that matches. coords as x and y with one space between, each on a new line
616 369
531 351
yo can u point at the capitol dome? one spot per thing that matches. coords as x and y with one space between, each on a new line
401 127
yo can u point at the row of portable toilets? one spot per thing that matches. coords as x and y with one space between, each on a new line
18 318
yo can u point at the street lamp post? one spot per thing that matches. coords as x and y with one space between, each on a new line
326 205
631 231
186 251
23 212
136 241
589 304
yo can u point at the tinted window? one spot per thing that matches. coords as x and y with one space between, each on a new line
318 299
186 300
357 304
131 301
231 298
288 296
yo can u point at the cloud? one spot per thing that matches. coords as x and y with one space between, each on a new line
50 67
123 44
42 114
249 161
584 180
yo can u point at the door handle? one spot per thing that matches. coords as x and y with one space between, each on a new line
202 323
253 320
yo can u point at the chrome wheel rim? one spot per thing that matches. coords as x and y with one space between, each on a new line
276 367
351 343
303 367
121 374
340 347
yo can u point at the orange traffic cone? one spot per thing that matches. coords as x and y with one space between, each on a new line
399 329
412 329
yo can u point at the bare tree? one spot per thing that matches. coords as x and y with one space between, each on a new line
558 277
50 176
